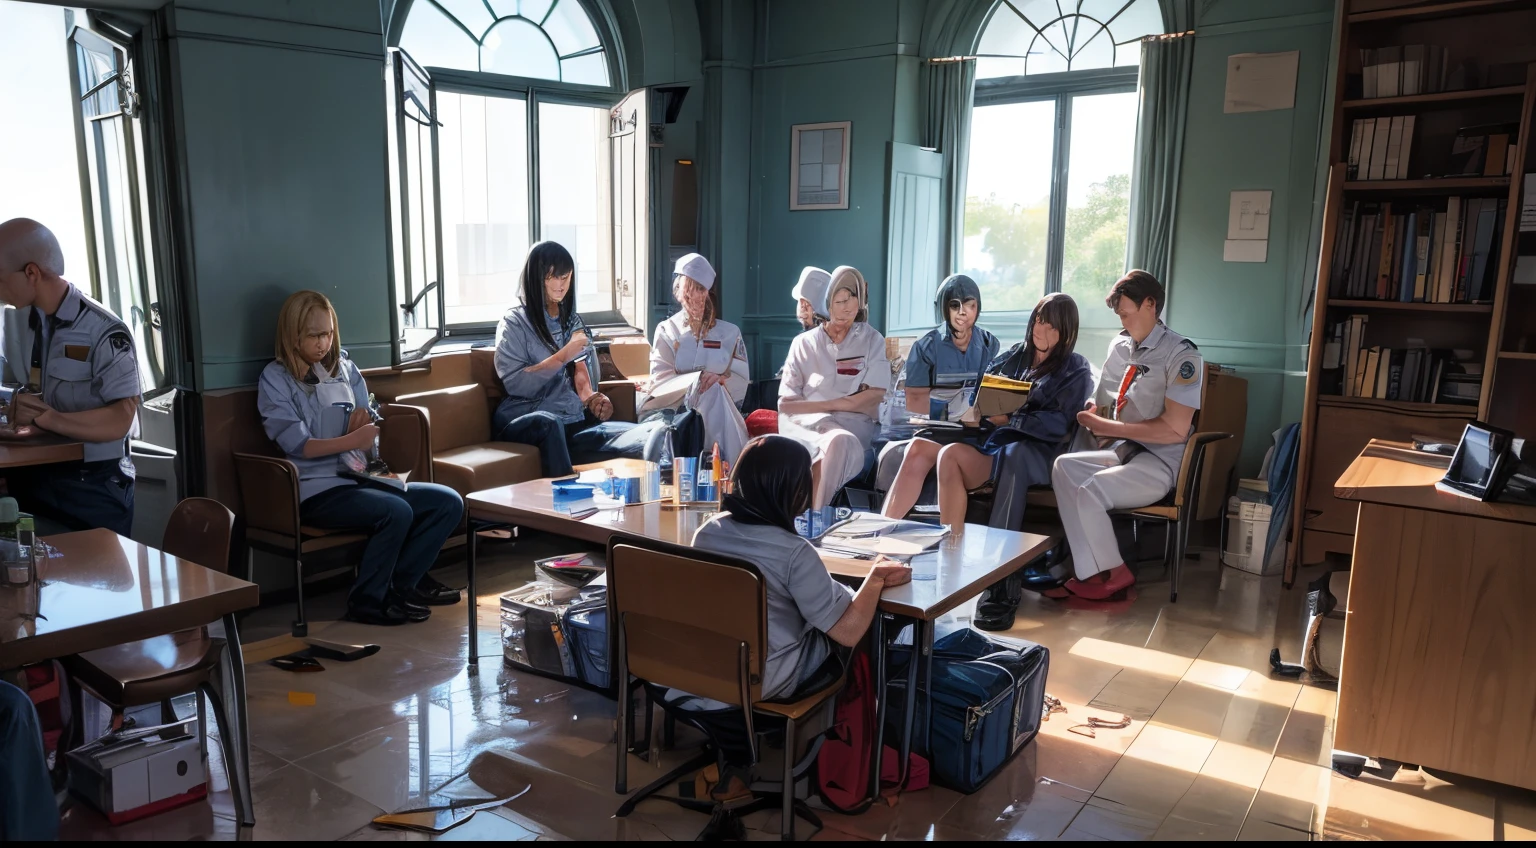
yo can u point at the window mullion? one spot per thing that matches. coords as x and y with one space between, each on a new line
535 222
437 216
1056 232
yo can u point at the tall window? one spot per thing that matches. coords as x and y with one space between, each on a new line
503 111
1052 142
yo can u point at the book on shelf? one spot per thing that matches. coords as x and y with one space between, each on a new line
1482 151
1403 70
1379 148
1413 373
1430 252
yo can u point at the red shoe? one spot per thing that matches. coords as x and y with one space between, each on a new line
1057 593
1102 586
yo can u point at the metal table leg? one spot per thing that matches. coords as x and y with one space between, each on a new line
474 601
237 744
918 626
922 650
878 650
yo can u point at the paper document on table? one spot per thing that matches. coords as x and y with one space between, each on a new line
874 524
891 546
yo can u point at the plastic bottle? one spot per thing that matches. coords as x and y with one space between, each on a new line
26 544
668 486
16 571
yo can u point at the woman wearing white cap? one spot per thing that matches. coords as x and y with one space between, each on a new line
832 384
810 294
696 341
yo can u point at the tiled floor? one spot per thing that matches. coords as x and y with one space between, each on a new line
1216 748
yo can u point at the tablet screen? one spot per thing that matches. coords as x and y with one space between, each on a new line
1477 460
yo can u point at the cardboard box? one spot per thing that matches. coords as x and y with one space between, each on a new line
139 774
632 356
1223 409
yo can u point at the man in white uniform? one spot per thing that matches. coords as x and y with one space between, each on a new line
1132 437
832 384
695 341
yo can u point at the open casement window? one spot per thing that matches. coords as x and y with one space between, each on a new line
629 151
109 141
418 255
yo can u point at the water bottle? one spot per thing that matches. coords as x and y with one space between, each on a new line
17 572
659 451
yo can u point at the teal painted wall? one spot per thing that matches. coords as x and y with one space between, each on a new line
1252 316
851 60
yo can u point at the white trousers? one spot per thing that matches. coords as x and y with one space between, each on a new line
837 441
1089 484
723 424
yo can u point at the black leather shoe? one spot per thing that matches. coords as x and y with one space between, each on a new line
412 611
440 597
388 615
431 585
995 615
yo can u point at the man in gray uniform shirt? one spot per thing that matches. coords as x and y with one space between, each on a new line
1131 440
79 362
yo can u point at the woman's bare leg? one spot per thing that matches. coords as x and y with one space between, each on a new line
815 480
922 455
961 468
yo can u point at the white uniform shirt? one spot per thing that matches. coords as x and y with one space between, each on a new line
677 350
1166 366
818 369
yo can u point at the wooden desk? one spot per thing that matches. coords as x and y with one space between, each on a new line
105 590
1440 639
42 449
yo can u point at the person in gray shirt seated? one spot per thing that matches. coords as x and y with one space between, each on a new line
548 368
809 613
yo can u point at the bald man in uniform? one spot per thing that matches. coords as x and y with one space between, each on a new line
80 362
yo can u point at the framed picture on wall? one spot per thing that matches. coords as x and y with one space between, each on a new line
818 165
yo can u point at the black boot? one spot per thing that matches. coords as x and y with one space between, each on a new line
1000 603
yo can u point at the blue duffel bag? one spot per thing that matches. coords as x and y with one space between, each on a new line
987 697
586 630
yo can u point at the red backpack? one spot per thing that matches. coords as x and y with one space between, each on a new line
842 765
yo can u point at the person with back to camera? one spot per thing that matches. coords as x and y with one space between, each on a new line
548 368
81 372
696 341
832 384
812 619
1132 436
810 294
314 406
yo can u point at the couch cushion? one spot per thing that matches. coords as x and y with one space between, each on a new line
475 468
456 416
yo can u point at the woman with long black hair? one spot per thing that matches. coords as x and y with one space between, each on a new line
548 368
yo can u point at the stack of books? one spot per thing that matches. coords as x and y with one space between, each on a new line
1418 253
1404 70
1416 373
1484 151
1379 148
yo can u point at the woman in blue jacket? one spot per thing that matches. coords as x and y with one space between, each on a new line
548 368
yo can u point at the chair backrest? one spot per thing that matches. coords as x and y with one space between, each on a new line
456 416
689 619
200 530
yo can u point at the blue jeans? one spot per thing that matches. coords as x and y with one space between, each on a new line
560 445
405 531
78 495
27 808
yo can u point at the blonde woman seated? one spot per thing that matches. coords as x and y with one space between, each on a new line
832 384
1019 452
694 341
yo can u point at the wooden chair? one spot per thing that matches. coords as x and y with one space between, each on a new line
1177 510
156 670
682 618
269 489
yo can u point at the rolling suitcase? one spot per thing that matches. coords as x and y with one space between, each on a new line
586 632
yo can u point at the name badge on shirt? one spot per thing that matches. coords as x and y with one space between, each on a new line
711 344
850 367
79 353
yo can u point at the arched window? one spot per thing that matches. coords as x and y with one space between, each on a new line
538 39
504 116
1052 141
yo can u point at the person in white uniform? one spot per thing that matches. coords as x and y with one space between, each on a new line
832 384
810 294
1132 435
696 341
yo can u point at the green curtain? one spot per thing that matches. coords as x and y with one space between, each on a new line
1164 89
951 88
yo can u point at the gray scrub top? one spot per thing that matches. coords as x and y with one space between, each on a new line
517 347
804 602
292 413
1167 367
88 362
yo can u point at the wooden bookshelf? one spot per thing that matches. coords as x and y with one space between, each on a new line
1431 101
1334 428
1448 308
1445 185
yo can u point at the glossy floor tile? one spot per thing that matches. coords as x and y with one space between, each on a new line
1214 748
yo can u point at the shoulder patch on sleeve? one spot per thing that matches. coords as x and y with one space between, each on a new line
1188 368
120 341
